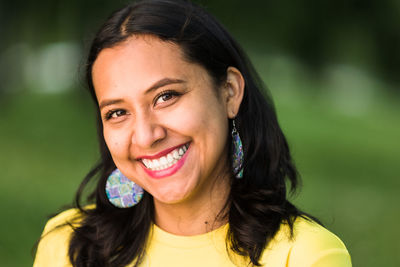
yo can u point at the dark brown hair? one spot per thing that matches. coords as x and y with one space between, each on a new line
257 204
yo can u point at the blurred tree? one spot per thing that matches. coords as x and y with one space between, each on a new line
364 33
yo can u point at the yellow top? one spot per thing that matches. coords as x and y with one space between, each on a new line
312 246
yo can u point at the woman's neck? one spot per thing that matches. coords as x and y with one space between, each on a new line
200 214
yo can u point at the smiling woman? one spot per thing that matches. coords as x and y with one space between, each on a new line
193 163
167 105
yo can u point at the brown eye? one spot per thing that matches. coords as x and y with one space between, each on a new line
118 113
166 96
115 114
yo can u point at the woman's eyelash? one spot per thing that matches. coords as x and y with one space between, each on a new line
110 113
120 112
166 93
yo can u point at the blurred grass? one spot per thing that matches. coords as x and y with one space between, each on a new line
349 164
48 143
350 169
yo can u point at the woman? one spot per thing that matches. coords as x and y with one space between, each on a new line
193 163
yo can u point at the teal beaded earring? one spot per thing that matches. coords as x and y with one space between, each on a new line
237 152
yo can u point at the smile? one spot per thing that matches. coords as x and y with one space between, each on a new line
167 160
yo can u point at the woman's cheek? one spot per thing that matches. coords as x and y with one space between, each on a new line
116 142
188 118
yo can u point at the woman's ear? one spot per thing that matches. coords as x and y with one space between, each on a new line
234 90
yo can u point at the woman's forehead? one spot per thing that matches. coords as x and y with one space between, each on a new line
140 51
141 61
138 58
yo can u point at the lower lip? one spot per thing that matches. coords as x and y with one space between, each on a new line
168 171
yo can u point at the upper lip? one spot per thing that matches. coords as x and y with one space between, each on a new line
159 154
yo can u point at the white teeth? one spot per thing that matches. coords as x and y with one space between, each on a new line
145 162
170 158
156 164
165 161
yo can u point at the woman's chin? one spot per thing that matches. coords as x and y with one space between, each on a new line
169 199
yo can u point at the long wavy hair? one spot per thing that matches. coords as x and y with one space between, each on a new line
257 204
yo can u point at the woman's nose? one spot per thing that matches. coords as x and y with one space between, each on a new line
147 131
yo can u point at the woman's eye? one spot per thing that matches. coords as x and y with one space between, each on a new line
165 96
112 114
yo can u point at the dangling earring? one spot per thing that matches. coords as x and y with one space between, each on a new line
237 152
122 192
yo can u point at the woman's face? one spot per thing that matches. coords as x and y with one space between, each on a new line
165 122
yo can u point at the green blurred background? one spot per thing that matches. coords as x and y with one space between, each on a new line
332 68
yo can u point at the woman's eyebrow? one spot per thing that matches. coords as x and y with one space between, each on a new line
109 102
156 85
163 82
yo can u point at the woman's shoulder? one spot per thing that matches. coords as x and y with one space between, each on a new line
311 245
54 242
63 218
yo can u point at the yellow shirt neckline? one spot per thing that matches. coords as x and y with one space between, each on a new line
212 237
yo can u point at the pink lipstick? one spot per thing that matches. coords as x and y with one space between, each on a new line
165 163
